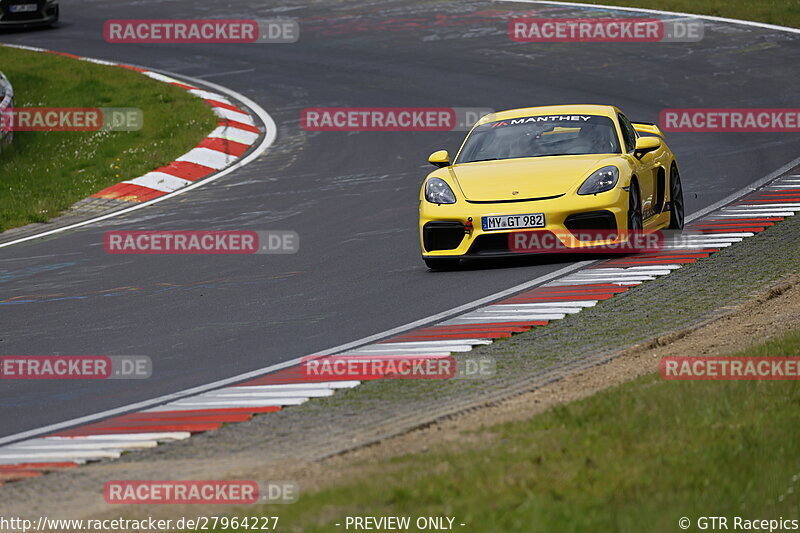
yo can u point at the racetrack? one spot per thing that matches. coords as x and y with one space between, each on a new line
350 196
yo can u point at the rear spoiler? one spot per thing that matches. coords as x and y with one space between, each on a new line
647 127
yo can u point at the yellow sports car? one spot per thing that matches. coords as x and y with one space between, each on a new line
566 169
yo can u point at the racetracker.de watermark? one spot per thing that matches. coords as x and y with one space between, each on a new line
391 118
278 30
201 242
621 30
711 368
200 492
71 119
75 367
584 241
364 367
730 120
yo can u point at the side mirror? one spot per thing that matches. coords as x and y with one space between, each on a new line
645 145
439 159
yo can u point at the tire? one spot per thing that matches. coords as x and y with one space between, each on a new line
441 264
676 207
635 222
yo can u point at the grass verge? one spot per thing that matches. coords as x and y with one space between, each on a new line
43 173
780 12
637 457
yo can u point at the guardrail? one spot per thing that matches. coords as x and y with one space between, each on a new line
6 105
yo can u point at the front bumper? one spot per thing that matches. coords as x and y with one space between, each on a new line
444 229
46 13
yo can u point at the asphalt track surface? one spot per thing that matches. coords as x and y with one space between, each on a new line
351 196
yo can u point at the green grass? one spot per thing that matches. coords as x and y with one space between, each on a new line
781 12
637 457
43 173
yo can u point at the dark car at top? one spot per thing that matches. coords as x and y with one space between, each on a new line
28 13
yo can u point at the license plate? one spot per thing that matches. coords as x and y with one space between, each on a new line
23 8
531 220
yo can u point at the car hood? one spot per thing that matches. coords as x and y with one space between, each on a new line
525 178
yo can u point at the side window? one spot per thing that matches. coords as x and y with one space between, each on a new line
628 133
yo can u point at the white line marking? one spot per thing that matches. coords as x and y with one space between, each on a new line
591 281
221 404
369 357
435 343
526 312
755 214
742 234
500 317
601 272
520 308
16 461
26 47
691 247
159 437
160 181
613 279
782 205
649 267
620 276
98 61
162 77
270 389
744 211
207 95
302 386
58 456
562 303
204 76
234 134
229 114
221 394
185 408
620 273
47 444
377 349
208 158
709 242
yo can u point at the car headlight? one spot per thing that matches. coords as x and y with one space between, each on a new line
437 191
601 180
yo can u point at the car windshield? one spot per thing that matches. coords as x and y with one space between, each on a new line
539 136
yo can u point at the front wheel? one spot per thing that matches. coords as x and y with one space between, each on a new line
441 264
675 199
635 222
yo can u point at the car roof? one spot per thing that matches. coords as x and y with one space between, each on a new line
572 109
